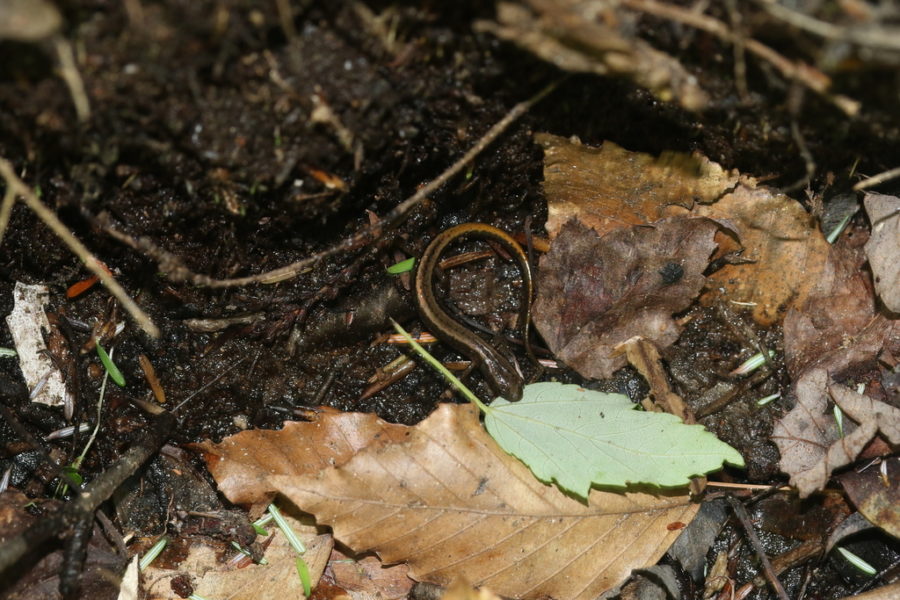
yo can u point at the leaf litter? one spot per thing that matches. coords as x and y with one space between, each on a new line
445 499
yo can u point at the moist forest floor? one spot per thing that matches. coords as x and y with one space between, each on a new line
240 139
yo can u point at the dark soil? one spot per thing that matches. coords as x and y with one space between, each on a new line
207 137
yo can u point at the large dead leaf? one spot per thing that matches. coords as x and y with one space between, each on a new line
449 502
782 251
883 248
596 292
810 442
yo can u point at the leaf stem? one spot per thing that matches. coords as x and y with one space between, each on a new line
453 379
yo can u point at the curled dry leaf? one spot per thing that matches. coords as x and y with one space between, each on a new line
596 292
782 252
876 493
809 439
883 247
449 502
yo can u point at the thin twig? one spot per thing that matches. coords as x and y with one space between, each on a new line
862 185
69 71
172 267
19 188
807 75
868 36
741 513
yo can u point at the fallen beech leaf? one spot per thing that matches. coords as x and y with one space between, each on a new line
883 247
597 292
609 187
575 437
451 503
876 493
839 306
242 463
809 440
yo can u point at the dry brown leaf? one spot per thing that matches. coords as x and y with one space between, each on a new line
609 187
210 577
883 247
596 292
368 578
330 439
839 306
808 437
876 493
451 503
787 251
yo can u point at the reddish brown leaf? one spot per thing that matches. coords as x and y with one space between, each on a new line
242 463
595 293
840 305
450 503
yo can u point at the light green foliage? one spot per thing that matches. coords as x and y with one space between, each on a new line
577 437
114 373
402 267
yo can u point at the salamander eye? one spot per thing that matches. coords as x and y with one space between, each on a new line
671 273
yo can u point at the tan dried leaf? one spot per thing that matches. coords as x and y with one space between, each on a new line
368 578
786 252
449 502
609 187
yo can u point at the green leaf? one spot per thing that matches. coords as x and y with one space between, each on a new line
110 366
303 572
402 267
578 438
